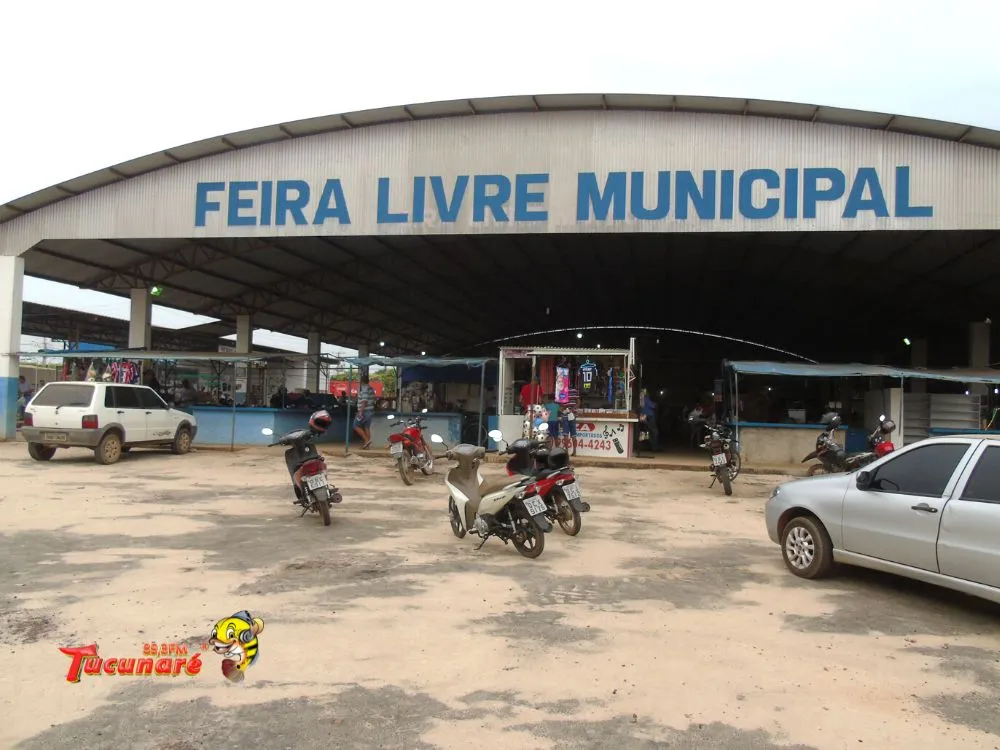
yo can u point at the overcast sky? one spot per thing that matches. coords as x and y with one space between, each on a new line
89 85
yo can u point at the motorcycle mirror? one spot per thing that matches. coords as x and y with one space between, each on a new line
881 417
423 411
435 438
543 427
267 431
391 417
495 435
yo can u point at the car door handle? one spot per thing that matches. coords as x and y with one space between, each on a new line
121 411
149 412
924 507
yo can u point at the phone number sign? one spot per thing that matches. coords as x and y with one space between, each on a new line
603 439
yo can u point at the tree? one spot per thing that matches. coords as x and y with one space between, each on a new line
387 377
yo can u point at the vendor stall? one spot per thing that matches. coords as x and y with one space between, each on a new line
917 414
463 420
586 393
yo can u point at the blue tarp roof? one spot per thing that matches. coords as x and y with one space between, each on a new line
803 370
415 361
83 346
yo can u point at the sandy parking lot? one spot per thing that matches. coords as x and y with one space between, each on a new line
669 621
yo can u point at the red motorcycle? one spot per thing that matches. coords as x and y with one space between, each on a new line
409 449
554 480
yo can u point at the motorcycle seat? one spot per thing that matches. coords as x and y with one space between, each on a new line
495 484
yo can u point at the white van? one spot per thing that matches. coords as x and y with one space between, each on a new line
108 418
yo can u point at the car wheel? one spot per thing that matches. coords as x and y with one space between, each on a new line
806 548
109 450
182 441
41 452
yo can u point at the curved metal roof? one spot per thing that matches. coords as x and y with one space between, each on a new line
949 131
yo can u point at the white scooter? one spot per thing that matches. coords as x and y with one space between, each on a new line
497 509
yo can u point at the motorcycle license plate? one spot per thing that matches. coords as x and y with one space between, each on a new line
719 459
534 506
314 482
571 491
395 449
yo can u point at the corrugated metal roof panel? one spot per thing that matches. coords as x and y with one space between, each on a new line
377 116
257 136
570 101
638 101
314 125
432 110
853 117
503 104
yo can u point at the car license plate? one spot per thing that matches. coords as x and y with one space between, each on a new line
571 491
315 482
534 506
395 449
54 437
719 459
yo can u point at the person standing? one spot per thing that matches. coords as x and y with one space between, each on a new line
531 394
553 409
649 418
366 411
568 416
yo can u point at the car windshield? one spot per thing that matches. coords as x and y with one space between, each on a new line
69 394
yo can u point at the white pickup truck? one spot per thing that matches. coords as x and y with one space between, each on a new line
108 418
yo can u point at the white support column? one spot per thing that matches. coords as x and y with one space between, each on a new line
979 353
918 359
244 334
11 291
363 352
313 349
140 321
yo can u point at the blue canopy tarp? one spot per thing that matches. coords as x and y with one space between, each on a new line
450 374
415 361
854 370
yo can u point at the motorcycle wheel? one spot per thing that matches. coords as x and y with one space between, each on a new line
734 466
532 538
567 516
428 467
323 505
816 469
403 464
456 522
727 483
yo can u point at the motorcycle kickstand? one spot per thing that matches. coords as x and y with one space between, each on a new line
485 539
715 478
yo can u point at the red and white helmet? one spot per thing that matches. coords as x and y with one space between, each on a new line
320 421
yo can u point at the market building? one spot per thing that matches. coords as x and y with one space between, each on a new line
441 230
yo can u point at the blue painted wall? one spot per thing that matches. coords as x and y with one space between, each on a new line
215 426
8 408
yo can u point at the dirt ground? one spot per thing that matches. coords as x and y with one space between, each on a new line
670 621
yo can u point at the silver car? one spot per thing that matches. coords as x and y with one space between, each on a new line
929 511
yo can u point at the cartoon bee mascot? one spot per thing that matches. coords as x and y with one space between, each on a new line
235 640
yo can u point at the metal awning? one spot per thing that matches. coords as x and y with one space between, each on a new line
164 355
802 370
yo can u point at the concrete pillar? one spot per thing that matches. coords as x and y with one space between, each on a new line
11 291
244 334
363 351
140 320
918 359
979 353
313 349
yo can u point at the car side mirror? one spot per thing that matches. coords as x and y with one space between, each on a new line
864 480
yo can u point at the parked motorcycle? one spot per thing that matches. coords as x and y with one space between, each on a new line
409 449
725 454
307 468
503 510
553 479
834 460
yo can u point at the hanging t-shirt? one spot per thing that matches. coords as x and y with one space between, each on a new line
562 385
588 377
611 384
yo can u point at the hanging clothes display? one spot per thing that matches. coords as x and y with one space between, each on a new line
128 373
588 377
547 375
562 385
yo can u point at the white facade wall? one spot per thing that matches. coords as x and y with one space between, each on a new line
961 183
